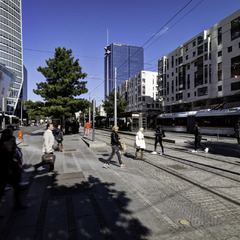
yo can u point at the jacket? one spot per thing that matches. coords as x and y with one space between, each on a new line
48 141
140 142
197 132
159 134
115 139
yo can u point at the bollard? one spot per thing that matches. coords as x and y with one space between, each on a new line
20 134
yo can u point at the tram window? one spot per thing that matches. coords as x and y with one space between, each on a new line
219 121
181 121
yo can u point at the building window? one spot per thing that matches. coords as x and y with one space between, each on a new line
200 50
205 47
188 66
3 90
220 71
186 48
235 66
206 73
219 53
219 88
186 57
188 95
200 39
206 57
210 73
235 86
194 44
202 91
172 73
172 61
195 93
235 28
219 36
172 86
194 54
180 60
188 81
230 49
179 96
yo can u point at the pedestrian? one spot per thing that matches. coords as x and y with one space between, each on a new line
48 149
140 143
9 172
58 135
237 131
198 138
87 126
159 135
115 148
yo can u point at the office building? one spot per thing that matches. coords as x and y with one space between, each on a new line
128 60
11 47
204 72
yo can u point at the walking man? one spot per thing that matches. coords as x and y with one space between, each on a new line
115 148
198 138
159 134
47 147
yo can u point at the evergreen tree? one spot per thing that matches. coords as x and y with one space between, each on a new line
62 85
108 105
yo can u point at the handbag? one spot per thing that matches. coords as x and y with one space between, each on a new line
48 158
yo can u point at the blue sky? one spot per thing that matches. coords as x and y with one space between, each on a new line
82 26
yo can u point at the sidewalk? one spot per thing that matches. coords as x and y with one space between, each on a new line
85 201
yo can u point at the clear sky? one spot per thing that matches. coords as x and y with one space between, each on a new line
81 25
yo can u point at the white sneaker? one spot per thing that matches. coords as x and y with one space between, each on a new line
206 150
162 153
194 151
122 165
154 153
105 165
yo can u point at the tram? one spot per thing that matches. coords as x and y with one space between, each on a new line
9 120
211 122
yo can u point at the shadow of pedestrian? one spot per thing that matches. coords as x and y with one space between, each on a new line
68 206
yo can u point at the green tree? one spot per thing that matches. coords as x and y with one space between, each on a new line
108 105
62 87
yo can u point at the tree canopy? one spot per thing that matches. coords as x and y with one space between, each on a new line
62 87
108 104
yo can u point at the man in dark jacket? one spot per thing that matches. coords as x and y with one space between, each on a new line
115 148
198 138
159 134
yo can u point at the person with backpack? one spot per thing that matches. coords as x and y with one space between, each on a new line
159 135
58 135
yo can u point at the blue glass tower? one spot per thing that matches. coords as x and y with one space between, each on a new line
127 59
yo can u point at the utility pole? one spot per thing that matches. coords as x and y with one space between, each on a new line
93 106
89 109
115 98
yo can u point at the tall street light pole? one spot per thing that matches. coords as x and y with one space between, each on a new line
115 98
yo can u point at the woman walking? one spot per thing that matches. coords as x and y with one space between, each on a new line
140 143
198 138
115 148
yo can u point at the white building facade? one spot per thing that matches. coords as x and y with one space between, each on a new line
204 72
141 92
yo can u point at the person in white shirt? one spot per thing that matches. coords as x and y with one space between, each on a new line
47 147
140 143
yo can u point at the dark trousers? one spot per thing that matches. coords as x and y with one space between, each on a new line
51 165
115 149
198 143
160 142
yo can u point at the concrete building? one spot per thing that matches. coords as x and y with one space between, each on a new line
141 92
7 78
127 59
202 73
11 47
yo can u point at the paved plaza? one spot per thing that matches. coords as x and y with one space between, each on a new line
163 197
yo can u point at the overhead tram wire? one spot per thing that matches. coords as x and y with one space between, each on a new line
45 51
157 32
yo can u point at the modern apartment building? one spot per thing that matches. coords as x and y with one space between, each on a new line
11 47
128 60
204 72
141 92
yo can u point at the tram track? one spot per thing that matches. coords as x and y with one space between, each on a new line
221 173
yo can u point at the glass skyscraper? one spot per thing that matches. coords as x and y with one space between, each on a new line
11 47
127 59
